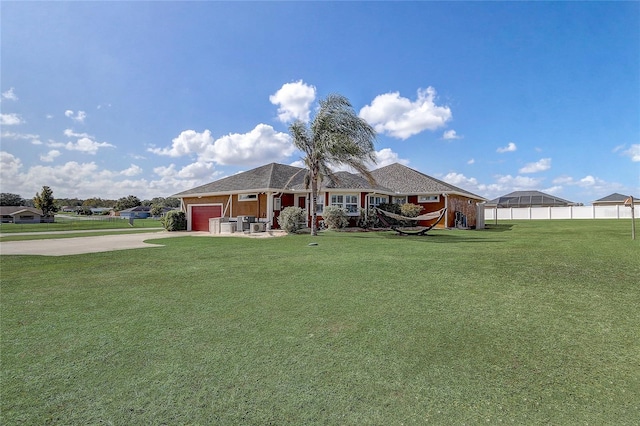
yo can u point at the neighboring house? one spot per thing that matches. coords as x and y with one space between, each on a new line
20 214
614 199
140 212
528 199
264 191
101 210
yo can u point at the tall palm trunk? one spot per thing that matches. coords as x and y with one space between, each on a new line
314 202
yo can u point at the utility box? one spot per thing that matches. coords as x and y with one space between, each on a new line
244 223
215 224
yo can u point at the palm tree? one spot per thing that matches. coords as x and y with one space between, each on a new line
336 136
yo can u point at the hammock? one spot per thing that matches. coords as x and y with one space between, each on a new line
427 216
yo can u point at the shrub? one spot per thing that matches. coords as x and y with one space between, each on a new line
410 210
368 219
292 219
175 220
390 207
335 217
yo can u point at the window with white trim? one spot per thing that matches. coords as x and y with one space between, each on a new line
247 197
400 200
375 201
428 198
347 202
319 204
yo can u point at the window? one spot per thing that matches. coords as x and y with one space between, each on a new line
347 202
376 201
319 204
247 197
428 198
400 200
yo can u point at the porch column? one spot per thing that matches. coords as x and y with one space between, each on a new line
270 208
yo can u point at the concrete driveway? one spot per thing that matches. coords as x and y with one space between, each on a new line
80 245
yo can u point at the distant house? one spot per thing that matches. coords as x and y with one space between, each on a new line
101 210
614 199
261 193
20 214
528 199
140 212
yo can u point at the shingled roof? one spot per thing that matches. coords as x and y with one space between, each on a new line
395 178
346 180
615 198
271 176
529 199
405 180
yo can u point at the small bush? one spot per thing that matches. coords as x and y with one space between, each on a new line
175 220
368 219
410 210
292 219
335 217
390 207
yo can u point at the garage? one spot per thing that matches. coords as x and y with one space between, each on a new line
200 216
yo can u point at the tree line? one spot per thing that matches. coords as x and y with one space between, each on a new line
45 201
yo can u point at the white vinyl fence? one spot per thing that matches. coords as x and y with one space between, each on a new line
573 212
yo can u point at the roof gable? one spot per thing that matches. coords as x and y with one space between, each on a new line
613 198
11 210
271 176
405 180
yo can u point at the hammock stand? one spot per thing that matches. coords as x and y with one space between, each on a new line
439 215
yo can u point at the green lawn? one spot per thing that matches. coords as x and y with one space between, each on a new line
526 323
75 223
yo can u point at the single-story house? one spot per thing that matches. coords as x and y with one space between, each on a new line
20 214
261 193
528 199
101 210
139 212
614 199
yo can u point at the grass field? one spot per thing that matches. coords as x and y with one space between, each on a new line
525 322
76 223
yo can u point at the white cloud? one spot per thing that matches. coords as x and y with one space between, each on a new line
450 134
187 143
71 134
633 152
50 156
10 95
401 118
132 170
261 145
84 144
298 163
294 101
539 166
79 116
511 147
10 119
556 189
84 180
11 166
458 179
386 156
471 161
35 139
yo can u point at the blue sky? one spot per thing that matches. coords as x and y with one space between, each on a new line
108 99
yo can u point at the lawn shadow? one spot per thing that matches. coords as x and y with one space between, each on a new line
436 236
502 227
